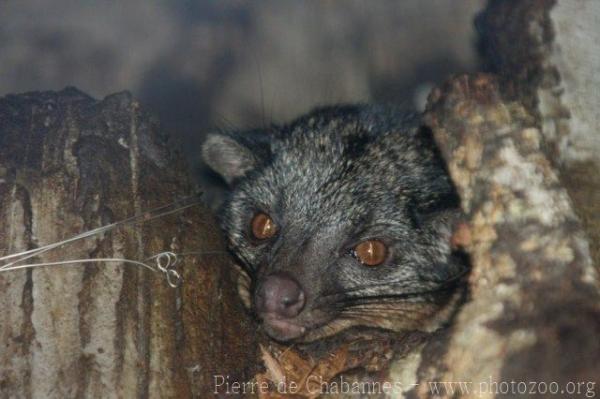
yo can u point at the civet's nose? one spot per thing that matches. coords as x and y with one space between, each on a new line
280 295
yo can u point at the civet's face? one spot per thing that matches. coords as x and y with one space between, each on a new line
337 222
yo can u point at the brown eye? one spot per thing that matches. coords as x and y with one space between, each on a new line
263 226
371 252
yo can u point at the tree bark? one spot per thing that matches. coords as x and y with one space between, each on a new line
523 151
534 308
69 163
547 57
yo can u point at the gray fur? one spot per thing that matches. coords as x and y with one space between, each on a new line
331 179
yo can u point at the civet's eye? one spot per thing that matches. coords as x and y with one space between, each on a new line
263 226
371 252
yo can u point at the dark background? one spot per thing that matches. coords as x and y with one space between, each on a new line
205 64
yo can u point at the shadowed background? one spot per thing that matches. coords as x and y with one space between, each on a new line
199 65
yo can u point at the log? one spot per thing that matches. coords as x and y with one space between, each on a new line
68 164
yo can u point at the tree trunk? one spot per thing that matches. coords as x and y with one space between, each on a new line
523 151
547 56
69 164
534 308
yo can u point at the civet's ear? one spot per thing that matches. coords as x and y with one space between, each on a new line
232 156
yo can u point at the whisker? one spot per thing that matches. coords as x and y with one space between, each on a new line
405 313
392 296
244 264
262 94
203 253
226 124
359 308
358 291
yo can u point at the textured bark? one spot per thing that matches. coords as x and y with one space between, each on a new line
523 151
547 56
534 312
69 163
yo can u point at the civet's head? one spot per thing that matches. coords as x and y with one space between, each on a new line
339 219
